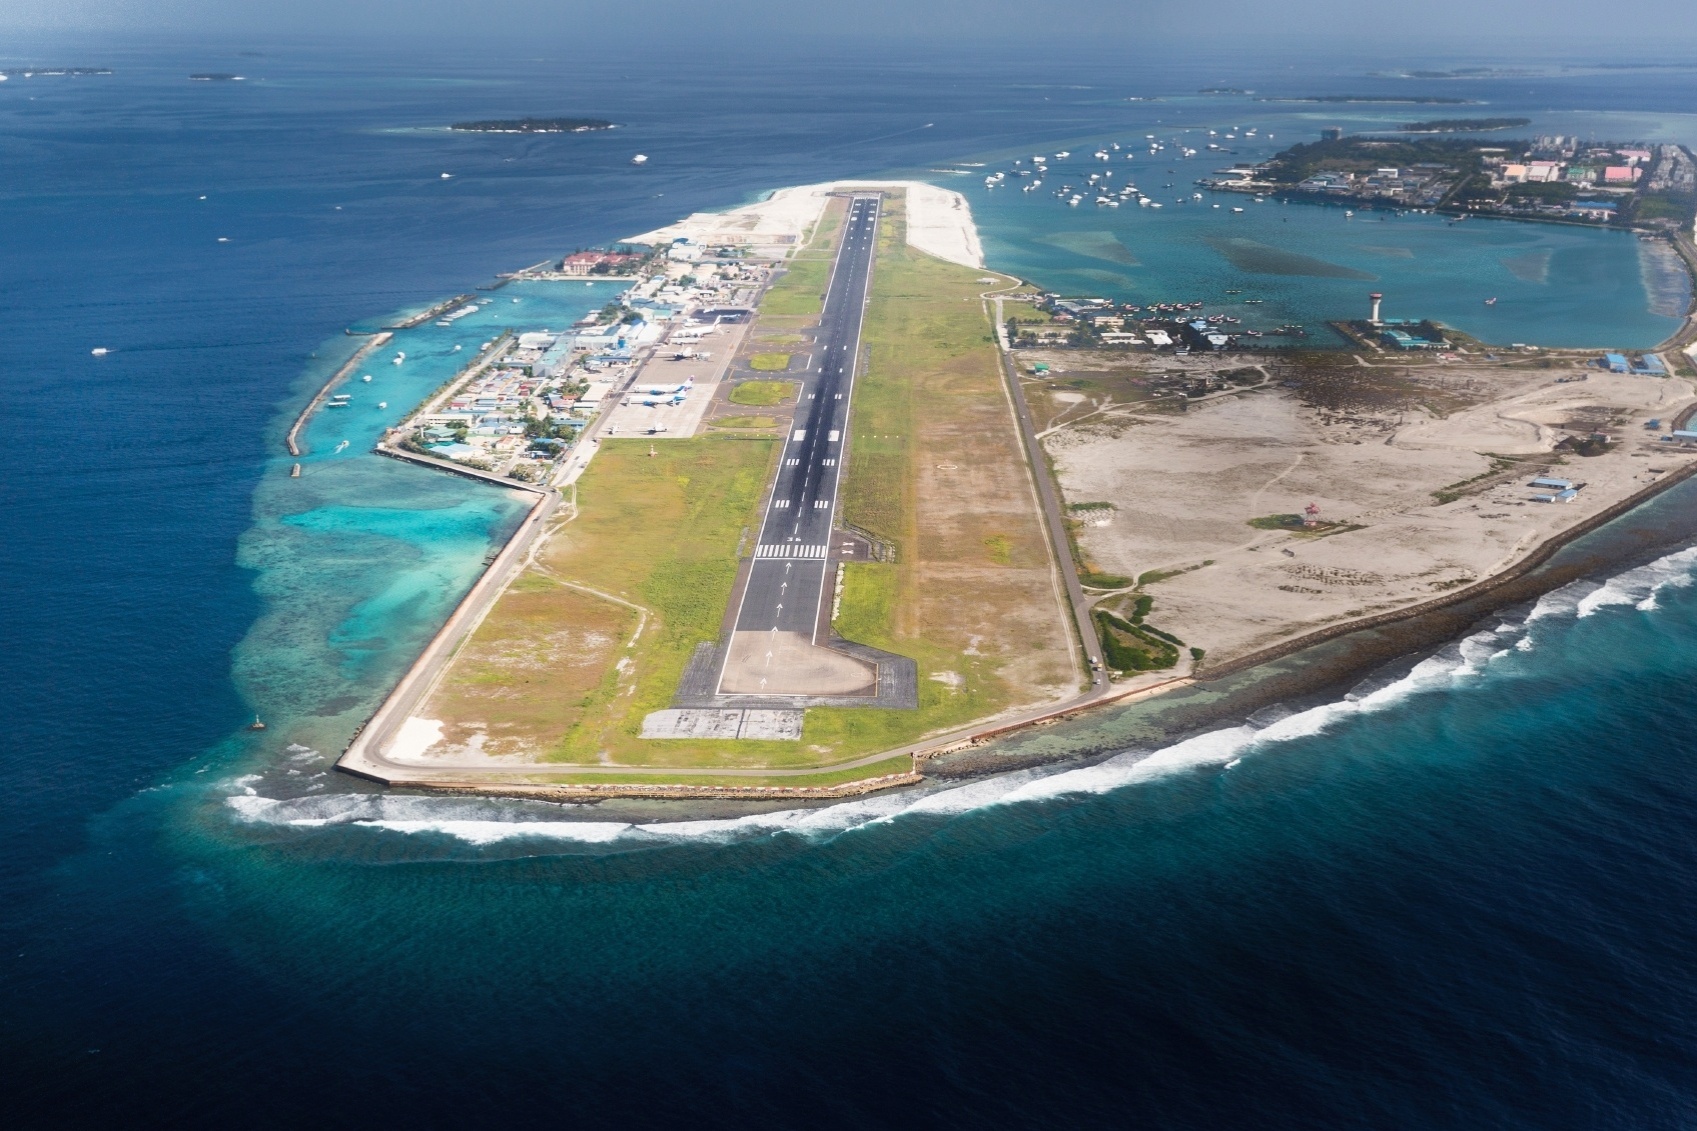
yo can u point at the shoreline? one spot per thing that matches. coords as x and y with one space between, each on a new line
935 750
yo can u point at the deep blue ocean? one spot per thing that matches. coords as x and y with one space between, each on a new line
1457 891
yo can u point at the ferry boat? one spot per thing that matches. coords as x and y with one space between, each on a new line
99 351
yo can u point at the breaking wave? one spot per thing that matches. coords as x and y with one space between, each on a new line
482 822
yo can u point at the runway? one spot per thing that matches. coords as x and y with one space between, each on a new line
773 647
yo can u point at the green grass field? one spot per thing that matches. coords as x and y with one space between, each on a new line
763 394
769 362
663 532
746 422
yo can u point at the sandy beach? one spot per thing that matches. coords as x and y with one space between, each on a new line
939 222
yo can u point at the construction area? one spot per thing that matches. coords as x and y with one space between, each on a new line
1242 501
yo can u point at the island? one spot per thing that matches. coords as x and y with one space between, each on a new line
1384 99
54 72
535 126
1556 178
818 504
1462 125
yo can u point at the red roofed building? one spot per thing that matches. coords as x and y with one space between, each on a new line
597 262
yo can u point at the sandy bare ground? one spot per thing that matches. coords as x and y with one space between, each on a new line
1184 486
939 221
787 663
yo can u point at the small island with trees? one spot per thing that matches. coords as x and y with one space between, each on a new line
535 126
1385 99
1463 125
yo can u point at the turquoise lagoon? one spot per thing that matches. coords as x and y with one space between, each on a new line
1555 285
360 559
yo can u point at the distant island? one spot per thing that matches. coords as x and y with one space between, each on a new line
33 72
1388 98
1457 73
216 76
1566 179
1462 125
535 126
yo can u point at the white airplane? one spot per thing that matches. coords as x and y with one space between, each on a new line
656 390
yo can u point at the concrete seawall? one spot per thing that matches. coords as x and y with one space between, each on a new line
363 758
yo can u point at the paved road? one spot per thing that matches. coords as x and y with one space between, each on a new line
787 579
1056 523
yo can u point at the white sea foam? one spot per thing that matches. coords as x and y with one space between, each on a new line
484 821
1638 587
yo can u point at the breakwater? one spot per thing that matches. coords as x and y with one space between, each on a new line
378 341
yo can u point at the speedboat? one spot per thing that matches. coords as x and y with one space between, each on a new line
366 378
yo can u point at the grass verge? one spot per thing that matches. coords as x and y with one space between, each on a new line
763 394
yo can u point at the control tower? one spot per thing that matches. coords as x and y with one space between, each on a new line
1376 298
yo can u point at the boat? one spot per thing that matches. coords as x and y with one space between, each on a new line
257 725
382 404
639 159
340 447
366 378
295 472
1491 301
1062 155
1237 210
1347 213
447 176
456 349
99 351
